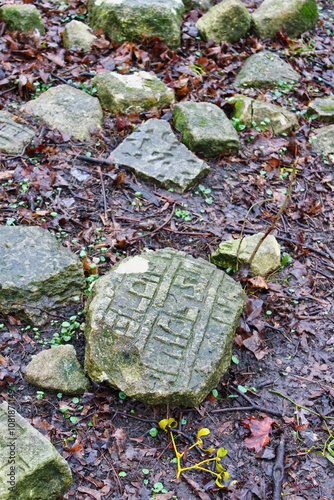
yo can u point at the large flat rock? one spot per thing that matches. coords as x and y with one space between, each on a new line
322 109
22 17
68 109
323 141
160 327
36 470
36 271
13 135
155 154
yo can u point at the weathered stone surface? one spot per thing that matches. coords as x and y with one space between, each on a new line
266 259
68 109
323 141
36 270
249 111
13 135
132 93
265 69
205 128
128 20
155 154
227 21
322 108
295 16
38 471
200 4
160 327
22 17
57 369
78 35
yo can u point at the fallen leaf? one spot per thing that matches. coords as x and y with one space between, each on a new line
258 282
259 432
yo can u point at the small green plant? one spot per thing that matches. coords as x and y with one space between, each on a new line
39 88
237 125
182 214
159 488
40 394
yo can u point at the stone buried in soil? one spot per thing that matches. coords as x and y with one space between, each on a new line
155 154
57 369
13 135
322 108
40 471
199 4
36 270
160 327
22 18
78 35
70 110
323 141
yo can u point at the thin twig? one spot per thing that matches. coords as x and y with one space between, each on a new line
103 193
278 470
296 404
155 230
39 308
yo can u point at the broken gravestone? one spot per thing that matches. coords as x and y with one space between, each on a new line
205 128
57 369
323 141
265 69
160 327
22 18
155 154
30 466
13 135
198 4
132 93
36 273
70 110
322 109
78 35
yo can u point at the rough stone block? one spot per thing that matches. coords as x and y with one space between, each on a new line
22 17
13 135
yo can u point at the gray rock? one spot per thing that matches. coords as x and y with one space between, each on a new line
22 17
155 154
264 114
128 20
295 16
205 128
68 109
36 270
200 4
37 470
132 93
13 135
57 369
227 21
78 35
265 69
322 108
323 141
160 327
266 259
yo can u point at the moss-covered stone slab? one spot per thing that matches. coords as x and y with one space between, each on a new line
266 259
13 135
205 128
295 16
22 17
160 327
67 109
198 4
265 69
322 109
323 141
263 114
132 93
36 271
155 154
30 466
228 21
128 20
57 369
78 35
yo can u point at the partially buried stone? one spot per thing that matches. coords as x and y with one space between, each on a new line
57 369
323 141
36 272
322 108
30 466
13 135
160 327
155 154
22 17
78 35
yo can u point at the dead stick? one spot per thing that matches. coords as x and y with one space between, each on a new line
155 230
103 193
278 471
39 308
249 408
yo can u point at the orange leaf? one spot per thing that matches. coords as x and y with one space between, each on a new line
259 432
75 448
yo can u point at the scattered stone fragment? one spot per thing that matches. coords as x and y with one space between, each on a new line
322 108
22 17
199 4
265 69
160 327
37 470
264 114
323 141
227 21
205 128
295 16
36 271
132 93
68 109
78 35
128 20
57 369
266 259
13 135
155 154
